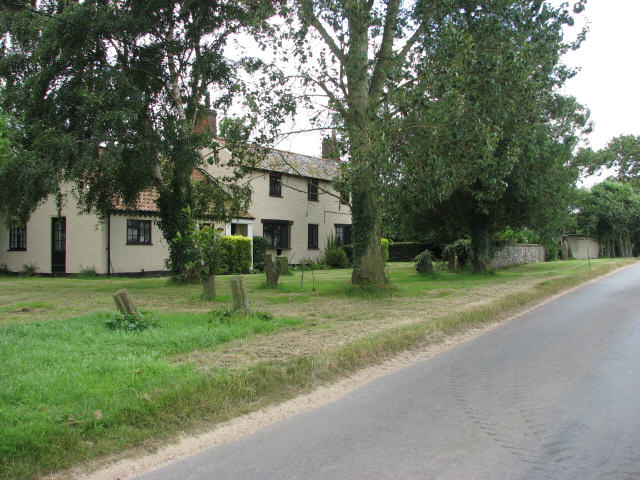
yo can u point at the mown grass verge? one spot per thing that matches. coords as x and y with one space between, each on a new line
73 391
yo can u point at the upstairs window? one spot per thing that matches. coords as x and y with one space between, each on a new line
312 190
17 237
312 240
344 198
275 184
138 232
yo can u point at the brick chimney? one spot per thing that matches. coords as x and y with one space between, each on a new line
330 147
207 118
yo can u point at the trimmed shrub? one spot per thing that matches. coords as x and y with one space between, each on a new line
237 253
384 244
405 251
336 257
259 251
424 263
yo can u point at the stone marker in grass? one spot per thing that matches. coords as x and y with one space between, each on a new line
124 302
239 293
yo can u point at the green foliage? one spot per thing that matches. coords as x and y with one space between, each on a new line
405 251
461 248
384 245
336 257
231 315
29 269
520 235
621 153
130 323
492 145
260 245
423 262
237 256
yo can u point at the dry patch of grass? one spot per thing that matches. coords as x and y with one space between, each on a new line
324 332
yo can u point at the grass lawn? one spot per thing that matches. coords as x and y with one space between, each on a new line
72 390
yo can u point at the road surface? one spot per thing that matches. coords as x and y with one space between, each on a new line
553 394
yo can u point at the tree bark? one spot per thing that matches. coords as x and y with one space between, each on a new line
209 287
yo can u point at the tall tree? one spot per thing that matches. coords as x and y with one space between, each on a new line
111 96
356 45
488 142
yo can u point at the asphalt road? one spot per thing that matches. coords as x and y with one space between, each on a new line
554 394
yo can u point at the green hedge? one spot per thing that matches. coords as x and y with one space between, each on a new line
406 251
237 251
259 251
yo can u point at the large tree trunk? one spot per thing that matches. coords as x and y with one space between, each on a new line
368 264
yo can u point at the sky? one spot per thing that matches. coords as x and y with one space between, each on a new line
608 82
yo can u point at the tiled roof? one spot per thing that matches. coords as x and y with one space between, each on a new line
300 165
146 203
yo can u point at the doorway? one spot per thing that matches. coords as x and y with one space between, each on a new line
59 245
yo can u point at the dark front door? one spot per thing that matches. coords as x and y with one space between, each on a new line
58 245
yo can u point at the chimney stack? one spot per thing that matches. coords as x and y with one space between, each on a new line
330 147
207 118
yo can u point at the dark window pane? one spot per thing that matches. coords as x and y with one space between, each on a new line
343 234
139 232
277 234
17 237
312 190
312 241
275 184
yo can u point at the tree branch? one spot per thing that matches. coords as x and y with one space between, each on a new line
309 16
385 52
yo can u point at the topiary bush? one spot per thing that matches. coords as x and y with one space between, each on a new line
424 263
336 257
259 251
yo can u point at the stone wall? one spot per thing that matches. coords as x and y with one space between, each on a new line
520 254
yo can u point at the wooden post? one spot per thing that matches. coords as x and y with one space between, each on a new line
272 270
209 287
239 293
124 302
284 265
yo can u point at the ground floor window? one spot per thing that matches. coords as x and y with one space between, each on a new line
312 241
138 232
343 234
17 237
277 233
